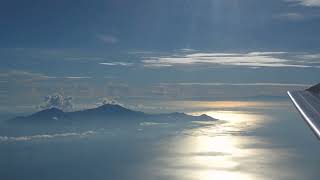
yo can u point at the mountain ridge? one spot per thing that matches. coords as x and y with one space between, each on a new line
111 111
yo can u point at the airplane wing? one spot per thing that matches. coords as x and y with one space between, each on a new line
307 103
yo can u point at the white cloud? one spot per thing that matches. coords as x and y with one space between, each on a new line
57 101
290 16
155 65
78 77
297 16
109 39
109 100
243 84
310 56
44 136
306 2
18 74
187 50
140 52
84 58
152 124
266 53
212 54
252 59
116 64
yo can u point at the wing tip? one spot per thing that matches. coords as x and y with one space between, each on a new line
306 118
314 89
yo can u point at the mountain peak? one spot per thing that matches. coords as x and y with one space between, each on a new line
50 111
109 105
53 109
112 107
206 117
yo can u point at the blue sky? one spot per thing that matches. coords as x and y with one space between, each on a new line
145 24
181 49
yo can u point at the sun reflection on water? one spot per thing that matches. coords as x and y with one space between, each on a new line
216 151
223 175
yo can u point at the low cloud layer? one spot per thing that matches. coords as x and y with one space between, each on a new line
19 75
45 136
57 101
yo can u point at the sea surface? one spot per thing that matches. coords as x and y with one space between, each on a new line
252 140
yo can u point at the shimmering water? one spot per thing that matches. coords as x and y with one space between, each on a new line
253 140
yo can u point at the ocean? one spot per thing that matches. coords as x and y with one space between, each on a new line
252 140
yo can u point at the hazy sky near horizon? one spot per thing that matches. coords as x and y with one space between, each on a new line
156 49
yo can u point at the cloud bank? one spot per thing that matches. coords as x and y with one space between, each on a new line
251 59
45 136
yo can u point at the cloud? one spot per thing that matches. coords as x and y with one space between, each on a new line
140 52
266 53
152 124
78 77
18 74
116 64
30 76
85 59
187 50
45 136
212 54
155 65
57 101
290 16
252 59
108 100
297 16
310 3
109 39
310 56
243 84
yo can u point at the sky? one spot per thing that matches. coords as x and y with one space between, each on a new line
155 50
